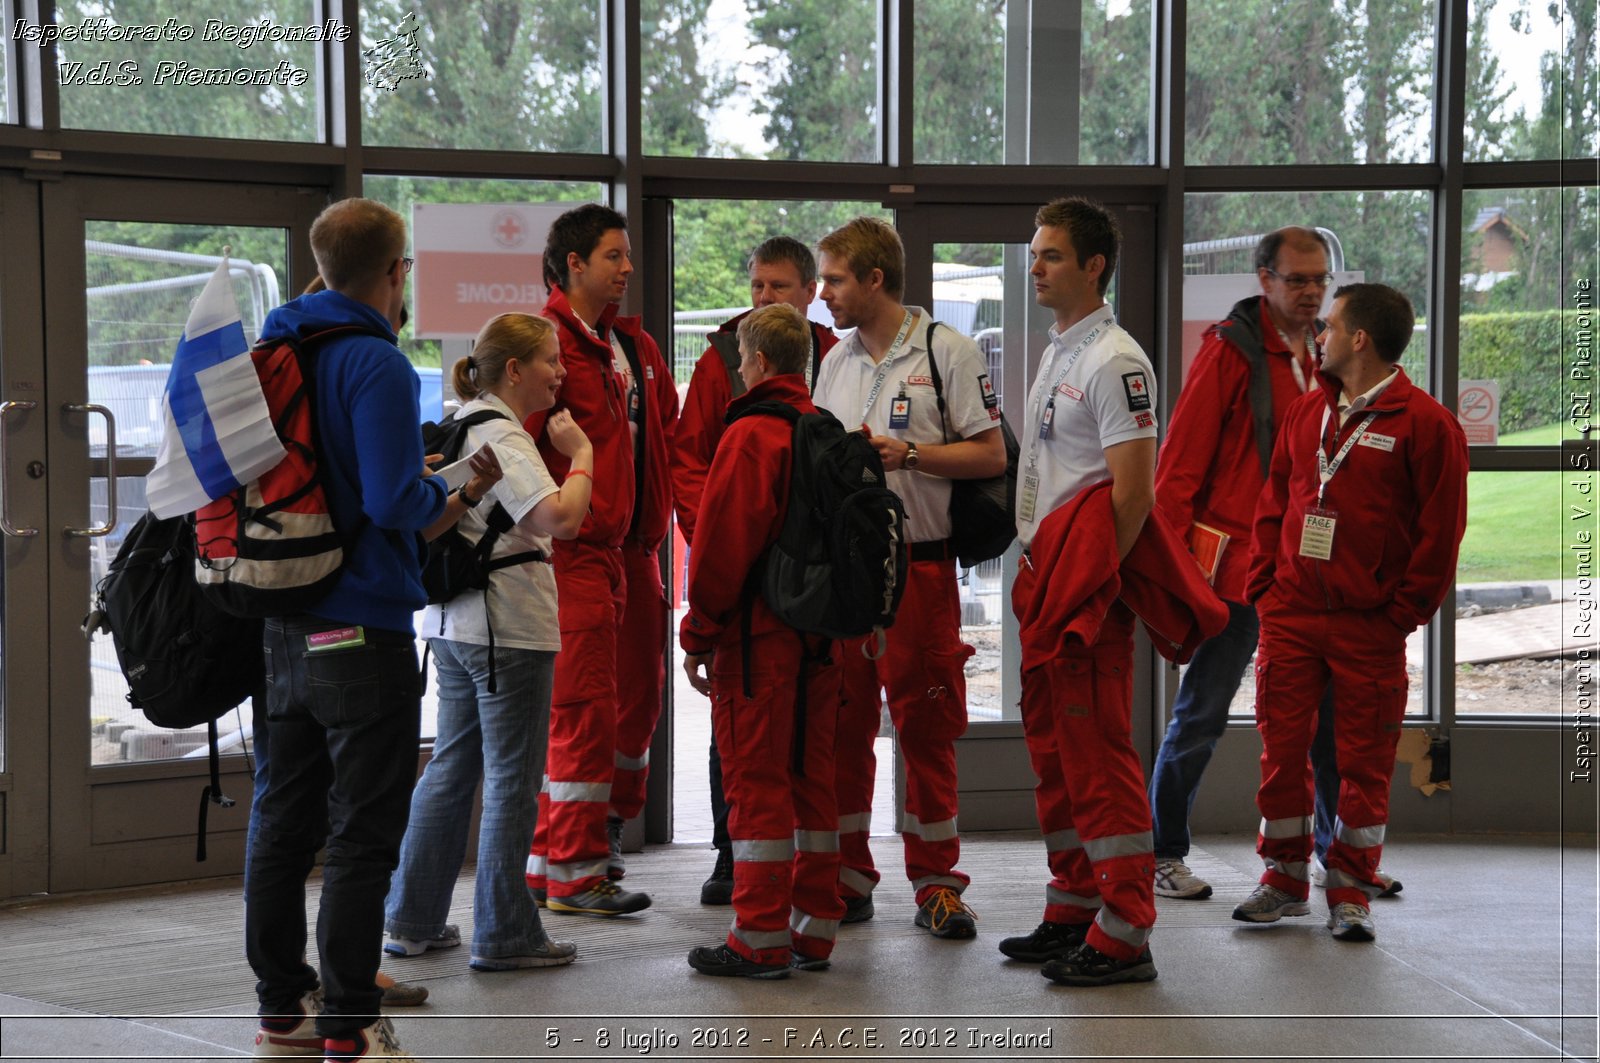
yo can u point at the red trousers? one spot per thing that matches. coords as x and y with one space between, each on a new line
1077 718
570 850
782 820
922 671
1364 656
641 673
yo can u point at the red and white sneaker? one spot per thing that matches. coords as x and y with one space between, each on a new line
291 1034
377 1041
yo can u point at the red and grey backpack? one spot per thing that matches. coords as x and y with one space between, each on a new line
272 547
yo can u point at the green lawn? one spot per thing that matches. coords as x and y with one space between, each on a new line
1517 522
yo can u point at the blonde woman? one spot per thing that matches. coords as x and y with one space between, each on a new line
497 730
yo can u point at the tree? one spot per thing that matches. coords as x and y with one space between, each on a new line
821 62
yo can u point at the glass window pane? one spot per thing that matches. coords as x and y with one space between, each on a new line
185 67
1530 80
511 75
431 356
1337 82
141 279
743 79
969 52
1523 251
1509 593
1376 236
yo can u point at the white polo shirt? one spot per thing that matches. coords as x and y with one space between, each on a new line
845 383
1106 397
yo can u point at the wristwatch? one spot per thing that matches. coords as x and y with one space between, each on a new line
912 457
466 499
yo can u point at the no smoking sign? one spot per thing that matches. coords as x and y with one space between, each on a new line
1478 409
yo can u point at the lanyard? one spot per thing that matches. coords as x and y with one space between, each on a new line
1294 359
888 361
1326 468
1061 378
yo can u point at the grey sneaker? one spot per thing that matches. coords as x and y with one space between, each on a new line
1268 904
605 898
448 938
1390 885
1174 879
616 866
550 954
858 909
1351 922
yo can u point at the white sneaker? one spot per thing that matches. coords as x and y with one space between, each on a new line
377 1041
289 1035
1351 922
1174 879
1268 904
448 938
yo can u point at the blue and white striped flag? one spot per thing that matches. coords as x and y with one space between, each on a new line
216 431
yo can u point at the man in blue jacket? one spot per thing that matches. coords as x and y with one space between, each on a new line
344 691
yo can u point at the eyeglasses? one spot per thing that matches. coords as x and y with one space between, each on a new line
1301 281
407 262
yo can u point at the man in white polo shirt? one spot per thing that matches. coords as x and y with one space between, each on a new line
880 377
1090 418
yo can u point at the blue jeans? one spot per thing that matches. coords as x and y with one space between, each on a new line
344 724
500 738
1199 718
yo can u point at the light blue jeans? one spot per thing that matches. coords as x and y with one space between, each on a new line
501 738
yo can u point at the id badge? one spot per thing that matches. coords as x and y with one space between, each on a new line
1028 497
1316 538
900 413
1046 420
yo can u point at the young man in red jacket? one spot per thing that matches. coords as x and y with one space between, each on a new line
781 271
613 389
1355 544
783 822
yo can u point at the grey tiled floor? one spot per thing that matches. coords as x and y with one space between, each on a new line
1489 954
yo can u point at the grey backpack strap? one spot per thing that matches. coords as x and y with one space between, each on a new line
1260 393
727 345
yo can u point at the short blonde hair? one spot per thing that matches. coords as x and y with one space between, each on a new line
867 244
356 241
506 338
780 332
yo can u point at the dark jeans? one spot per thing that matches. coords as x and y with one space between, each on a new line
1200 716
344 725
719 801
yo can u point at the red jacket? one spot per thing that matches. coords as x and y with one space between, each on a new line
1077 578
701 425
593 393
1210 470
746 498
1401 505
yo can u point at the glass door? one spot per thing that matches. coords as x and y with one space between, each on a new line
122 262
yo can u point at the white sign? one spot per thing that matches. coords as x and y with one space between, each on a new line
476 260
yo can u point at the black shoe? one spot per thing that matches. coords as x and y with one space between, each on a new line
722 961
616 866
1049 941
808 963
858 909
718 889
1088 966
945 915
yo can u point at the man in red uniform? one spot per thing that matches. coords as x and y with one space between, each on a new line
783 822
611 394
781 271
1355 544
881 377
1090 418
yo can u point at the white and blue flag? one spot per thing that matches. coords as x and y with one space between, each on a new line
216 431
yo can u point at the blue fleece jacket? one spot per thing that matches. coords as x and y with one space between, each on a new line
369 422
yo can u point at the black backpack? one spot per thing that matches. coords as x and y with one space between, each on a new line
839 566
186 660
455 563
983 522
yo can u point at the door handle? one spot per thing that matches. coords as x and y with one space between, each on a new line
5 494
111 469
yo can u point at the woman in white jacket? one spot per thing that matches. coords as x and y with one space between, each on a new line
498 728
